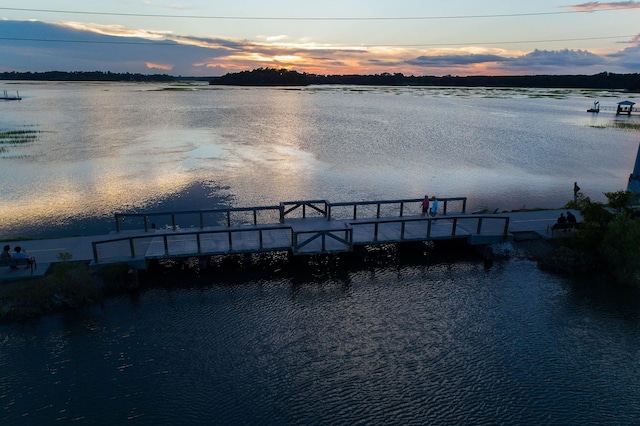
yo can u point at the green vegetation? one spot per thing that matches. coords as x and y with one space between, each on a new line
68 286
284 77
607 242
85 76
618 125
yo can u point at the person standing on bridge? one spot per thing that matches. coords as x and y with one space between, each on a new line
434 206
425 205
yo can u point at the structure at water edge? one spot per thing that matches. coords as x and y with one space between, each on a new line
634 178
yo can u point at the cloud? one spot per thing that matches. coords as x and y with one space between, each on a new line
628 58
593 6
454 60
37 46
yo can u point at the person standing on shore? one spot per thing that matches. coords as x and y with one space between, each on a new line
576 188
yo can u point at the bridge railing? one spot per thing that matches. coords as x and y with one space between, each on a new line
263 215
391 208
199 218
338 240
425 227
302 209
184 244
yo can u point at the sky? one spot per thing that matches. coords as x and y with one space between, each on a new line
413 37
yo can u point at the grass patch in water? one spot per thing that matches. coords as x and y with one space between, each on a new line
623 125
12 137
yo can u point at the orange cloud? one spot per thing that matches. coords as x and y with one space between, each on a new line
593 6
162 67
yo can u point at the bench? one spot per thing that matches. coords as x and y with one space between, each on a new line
29 262
567 226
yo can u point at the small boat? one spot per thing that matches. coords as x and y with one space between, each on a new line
596 107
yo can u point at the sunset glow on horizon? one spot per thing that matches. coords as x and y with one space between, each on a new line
197 38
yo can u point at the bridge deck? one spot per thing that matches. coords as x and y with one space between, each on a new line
300 235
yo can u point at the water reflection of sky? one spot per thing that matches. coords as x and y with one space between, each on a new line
109 148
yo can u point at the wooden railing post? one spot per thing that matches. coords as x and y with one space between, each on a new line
479 230
95 251
132 247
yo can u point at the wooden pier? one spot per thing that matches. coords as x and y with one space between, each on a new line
622 108
298 227
7 97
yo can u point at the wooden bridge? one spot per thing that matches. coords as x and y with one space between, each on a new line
299 227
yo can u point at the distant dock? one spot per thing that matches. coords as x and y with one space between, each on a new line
7 97
622 108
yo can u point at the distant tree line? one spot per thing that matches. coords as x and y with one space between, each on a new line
283 77
90 76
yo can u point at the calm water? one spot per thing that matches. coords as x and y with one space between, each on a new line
396 341
432 343
106 148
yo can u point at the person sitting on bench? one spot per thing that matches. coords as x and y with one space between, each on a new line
5 256
20 255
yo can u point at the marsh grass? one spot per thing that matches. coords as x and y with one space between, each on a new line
70 285
15 137
623 125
